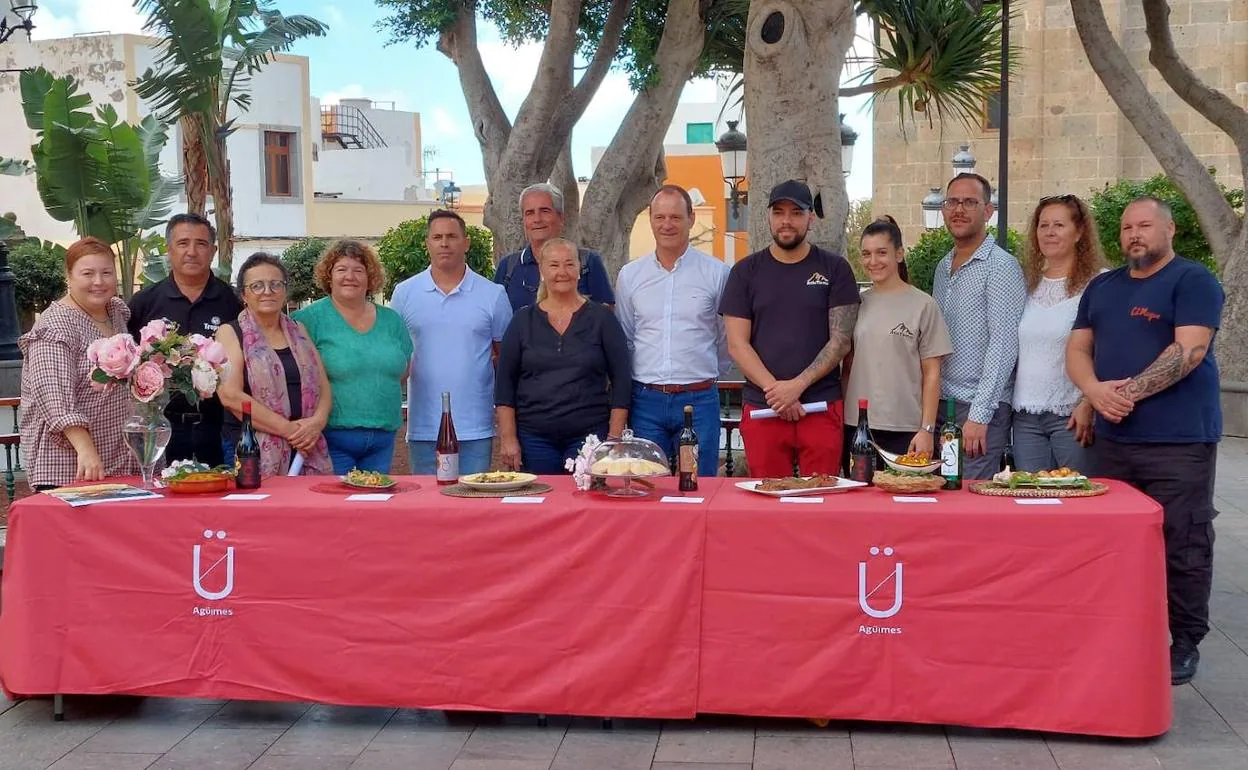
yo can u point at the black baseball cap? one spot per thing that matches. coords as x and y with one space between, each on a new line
793 191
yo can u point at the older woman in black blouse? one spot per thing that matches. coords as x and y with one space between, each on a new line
563 370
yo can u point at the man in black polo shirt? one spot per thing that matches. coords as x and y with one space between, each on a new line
198 302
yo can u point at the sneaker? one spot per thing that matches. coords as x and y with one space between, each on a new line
1183 662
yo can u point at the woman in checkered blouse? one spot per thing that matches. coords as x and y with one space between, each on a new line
71 431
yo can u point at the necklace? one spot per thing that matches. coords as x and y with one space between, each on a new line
104 324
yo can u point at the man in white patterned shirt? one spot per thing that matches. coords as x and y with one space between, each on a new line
981 292
668 305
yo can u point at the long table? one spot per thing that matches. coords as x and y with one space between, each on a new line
969 610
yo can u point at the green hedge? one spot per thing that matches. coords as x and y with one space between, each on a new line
922 257
403 252
1189 240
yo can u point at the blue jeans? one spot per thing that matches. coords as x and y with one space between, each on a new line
1042 443
367 449
545 454
474 456
660 417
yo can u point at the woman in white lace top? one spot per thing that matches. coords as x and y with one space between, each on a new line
1052 421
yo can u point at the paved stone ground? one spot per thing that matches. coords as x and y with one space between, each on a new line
1209 733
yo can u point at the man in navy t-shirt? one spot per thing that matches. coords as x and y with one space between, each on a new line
1142 353
789 312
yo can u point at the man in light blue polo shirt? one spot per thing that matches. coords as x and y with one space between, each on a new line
456 318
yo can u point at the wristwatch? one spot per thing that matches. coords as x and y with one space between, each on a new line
929 428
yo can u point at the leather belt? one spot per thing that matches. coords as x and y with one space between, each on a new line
692 387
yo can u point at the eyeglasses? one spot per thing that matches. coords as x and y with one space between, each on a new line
273 287
969 204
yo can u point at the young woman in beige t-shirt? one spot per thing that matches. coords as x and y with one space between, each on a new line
899 341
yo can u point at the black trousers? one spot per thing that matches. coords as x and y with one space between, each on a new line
1180 477
195 440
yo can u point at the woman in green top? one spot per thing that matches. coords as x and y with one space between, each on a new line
366 350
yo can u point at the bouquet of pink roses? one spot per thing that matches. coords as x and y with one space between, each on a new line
163 359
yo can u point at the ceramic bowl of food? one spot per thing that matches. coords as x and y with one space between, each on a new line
910 462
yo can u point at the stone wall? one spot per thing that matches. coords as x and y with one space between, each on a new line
1066 134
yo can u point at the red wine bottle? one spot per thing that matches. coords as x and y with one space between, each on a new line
687 452
247 454
861 453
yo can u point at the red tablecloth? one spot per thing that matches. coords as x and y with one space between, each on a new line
1047 617
578 605
998 615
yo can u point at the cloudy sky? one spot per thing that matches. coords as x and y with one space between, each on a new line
352 60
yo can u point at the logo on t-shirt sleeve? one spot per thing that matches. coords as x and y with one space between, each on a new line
817 279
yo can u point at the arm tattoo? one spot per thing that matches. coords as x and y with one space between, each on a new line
1172 365
841 320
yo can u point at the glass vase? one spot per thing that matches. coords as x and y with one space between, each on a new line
147 432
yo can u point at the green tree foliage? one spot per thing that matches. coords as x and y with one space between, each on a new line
38 276
859 217
1189 240
403 253
527 21
300 259
94 170
923 257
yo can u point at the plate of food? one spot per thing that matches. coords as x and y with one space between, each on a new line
497 481
188 477
1061 478
797 485
920 462
358 479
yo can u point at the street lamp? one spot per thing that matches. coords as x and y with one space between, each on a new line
23 10
848 137
450 194
10 328
963 161
732 157
933 217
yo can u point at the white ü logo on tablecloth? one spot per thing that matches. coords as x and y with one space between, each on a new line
864 594
199 573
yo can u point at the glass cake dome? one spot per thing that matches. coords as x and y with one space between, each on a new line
629 457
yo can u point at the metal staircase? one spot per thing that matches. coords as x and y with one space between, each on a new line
349 127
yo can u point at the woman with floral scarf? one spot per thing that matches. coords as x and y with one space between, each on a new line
274 365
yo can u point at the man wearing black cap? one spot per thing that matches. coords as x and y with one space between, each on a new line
790 311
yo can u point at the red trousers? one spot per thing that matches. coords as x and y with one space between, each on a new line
772 445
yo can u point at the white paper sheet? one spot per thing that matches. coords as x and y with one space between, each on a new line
524 500
811 408
670 499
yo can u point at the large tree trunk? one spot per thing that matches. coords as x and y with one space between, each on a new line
794 53
194 164
223 203
632 167
520 155
564 177
1225 230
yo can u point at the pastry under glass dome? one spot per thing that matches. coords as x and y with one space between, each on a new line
628 458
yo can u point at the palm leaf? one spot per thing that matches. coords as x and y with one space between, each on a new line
277 33
937 57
